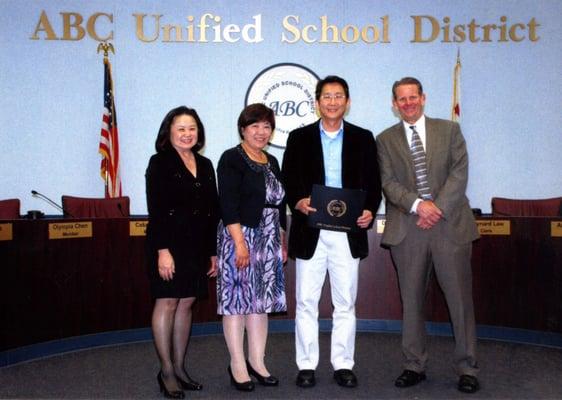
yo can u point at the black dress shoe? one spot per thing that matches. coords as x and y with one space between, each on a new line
409 378
189 384
243 386
345 378
263 380
468 384
305 378
170 394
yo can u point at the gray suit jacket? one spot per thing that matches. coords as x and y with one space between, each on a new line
447 162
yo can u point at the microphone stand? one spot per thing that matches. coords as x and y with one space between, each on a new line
35 193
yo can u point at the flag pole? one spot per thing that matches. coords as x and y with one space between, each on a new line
456 106
106 48
109 147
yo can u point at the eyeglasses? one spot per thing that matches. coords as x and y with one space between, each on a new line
330 96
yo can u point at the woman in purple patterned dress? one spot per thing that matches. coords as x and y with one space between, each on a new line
251 246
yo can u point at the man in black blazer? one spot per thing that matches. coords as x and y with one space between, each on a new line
334 153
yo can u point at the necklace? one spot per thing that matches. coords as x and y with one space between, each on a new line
257 156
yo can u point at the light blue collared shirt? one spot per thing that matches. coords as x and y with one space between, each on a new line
332 151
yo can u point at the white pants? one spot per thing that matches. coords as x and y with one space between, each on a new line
332 255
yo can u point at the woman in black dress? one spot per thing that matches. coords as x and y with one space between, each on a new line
181 239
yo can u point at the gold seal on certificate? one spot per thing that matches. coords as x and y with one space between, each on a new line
336 209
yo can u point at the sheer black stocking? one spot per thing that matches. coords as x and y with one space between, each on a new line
163 317
182 329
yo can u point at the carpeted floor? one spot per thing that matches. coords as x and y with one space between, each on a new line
508 371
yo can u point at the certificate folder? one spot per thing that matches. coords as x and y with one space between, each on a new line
336 209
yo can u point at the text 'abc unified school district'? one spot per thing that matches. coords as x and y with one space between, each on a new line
212 28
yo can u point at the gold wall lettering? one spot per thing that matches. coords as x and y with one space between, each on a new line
208 28
72 28
427 29
329 33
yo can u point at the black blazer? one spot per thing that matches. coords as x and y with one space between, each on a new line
182 210
303 166
242 189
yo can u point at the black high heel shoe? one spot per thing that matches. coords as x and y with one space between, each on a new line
243 386
174 394
263 380
189 384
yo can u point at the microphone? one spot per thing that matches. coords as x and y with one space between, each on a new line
35 193
121 209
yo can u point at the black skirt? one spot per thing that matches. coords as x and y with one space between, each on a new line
190 278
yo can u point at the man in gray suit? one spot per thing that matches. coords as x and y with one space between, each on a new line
429 226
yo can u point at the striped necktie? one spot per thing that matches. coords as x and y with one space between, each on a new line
420 165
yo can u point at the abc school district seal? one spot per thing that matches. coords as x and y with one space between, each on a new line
288 89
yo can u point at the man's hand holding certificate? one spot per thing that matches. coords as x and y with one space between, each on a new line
336 209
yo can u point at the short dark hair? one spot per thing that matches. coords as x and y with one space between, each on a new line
253 113
163 139
408 80
331 79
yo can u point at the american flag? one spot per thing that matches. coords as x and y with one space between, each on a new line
109 141
456 107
